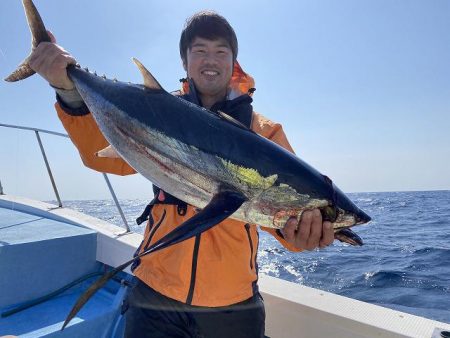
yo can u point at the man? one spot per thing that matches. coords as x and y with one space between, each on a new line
205 286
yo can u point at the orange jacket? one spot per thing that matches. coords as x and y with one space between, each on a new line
218 267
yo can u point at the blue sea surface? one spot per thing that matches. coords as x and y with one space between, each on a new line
404 264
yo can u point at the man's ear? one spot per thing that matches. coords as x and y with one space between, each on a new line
183 61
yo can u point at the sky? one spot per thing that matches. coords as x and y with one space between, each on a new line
362 88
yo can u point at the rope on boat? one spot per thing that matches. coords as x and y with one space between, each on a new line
55 293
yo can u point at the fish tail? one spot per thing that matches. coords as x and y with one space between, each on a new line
38 34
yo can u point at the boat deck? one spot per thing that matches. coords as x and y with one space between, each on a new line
39 255
18 227
47 318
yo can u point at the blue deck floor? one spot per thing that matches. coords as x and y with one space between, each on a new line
39 255
33 248
99 314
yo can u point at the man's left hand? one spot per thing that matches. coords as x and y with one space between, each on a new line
310 232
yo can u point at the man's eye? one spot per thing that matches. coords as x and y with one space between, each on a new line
200 51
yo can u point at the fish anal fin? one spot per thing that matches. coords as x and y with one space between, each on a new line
149 80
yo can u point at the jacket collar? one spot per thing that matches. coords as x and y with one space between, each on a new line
241 83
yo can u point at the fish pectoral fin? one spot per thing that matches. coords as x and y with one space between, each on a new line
108 152
348 236
221 206
149 80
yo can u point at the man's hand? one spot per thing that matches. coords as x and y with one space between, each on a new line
310 232
50 61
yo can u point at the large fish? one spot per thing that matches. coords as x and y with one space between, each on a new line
204 158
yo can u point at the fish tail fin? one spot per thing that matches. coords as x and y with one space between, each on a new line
38 34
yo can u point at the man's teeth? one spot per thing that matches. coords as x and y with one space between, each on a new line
210 72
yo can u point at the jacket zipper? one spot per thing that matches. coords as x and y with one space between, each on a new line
138 251
193 270
247 228
152 231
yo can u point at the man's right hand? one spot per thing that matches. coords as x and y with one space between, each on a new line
50 61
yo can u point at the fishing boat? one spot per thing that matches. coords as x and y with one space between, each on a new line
50 254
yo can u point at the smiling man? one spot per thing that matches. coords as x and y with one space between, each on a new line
209 63
205 286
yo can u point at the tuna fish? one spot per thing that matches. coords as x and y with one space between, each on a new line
204 158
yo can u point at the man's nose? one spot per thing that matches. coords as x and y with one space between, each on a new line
210 58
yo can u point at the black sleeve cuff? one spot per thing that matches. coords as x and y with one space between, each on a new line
279 233
81 111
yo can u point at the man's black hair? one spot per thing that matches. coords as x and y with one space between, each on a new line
207 25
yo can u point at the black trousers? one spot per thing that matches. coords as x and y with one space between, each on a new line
150 314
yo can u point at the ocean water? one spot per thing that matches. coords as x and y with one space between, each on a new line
404 264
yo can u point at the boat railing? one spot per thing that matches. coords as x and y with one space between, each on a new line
37 131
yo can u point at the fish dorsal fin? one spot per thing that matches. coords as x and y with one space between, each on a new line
231 119
149 81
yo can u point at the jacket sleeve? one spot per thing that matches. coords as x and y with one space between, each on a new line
86 136
274 132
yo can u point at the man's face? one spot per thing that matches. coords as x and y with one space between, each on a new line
210 64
